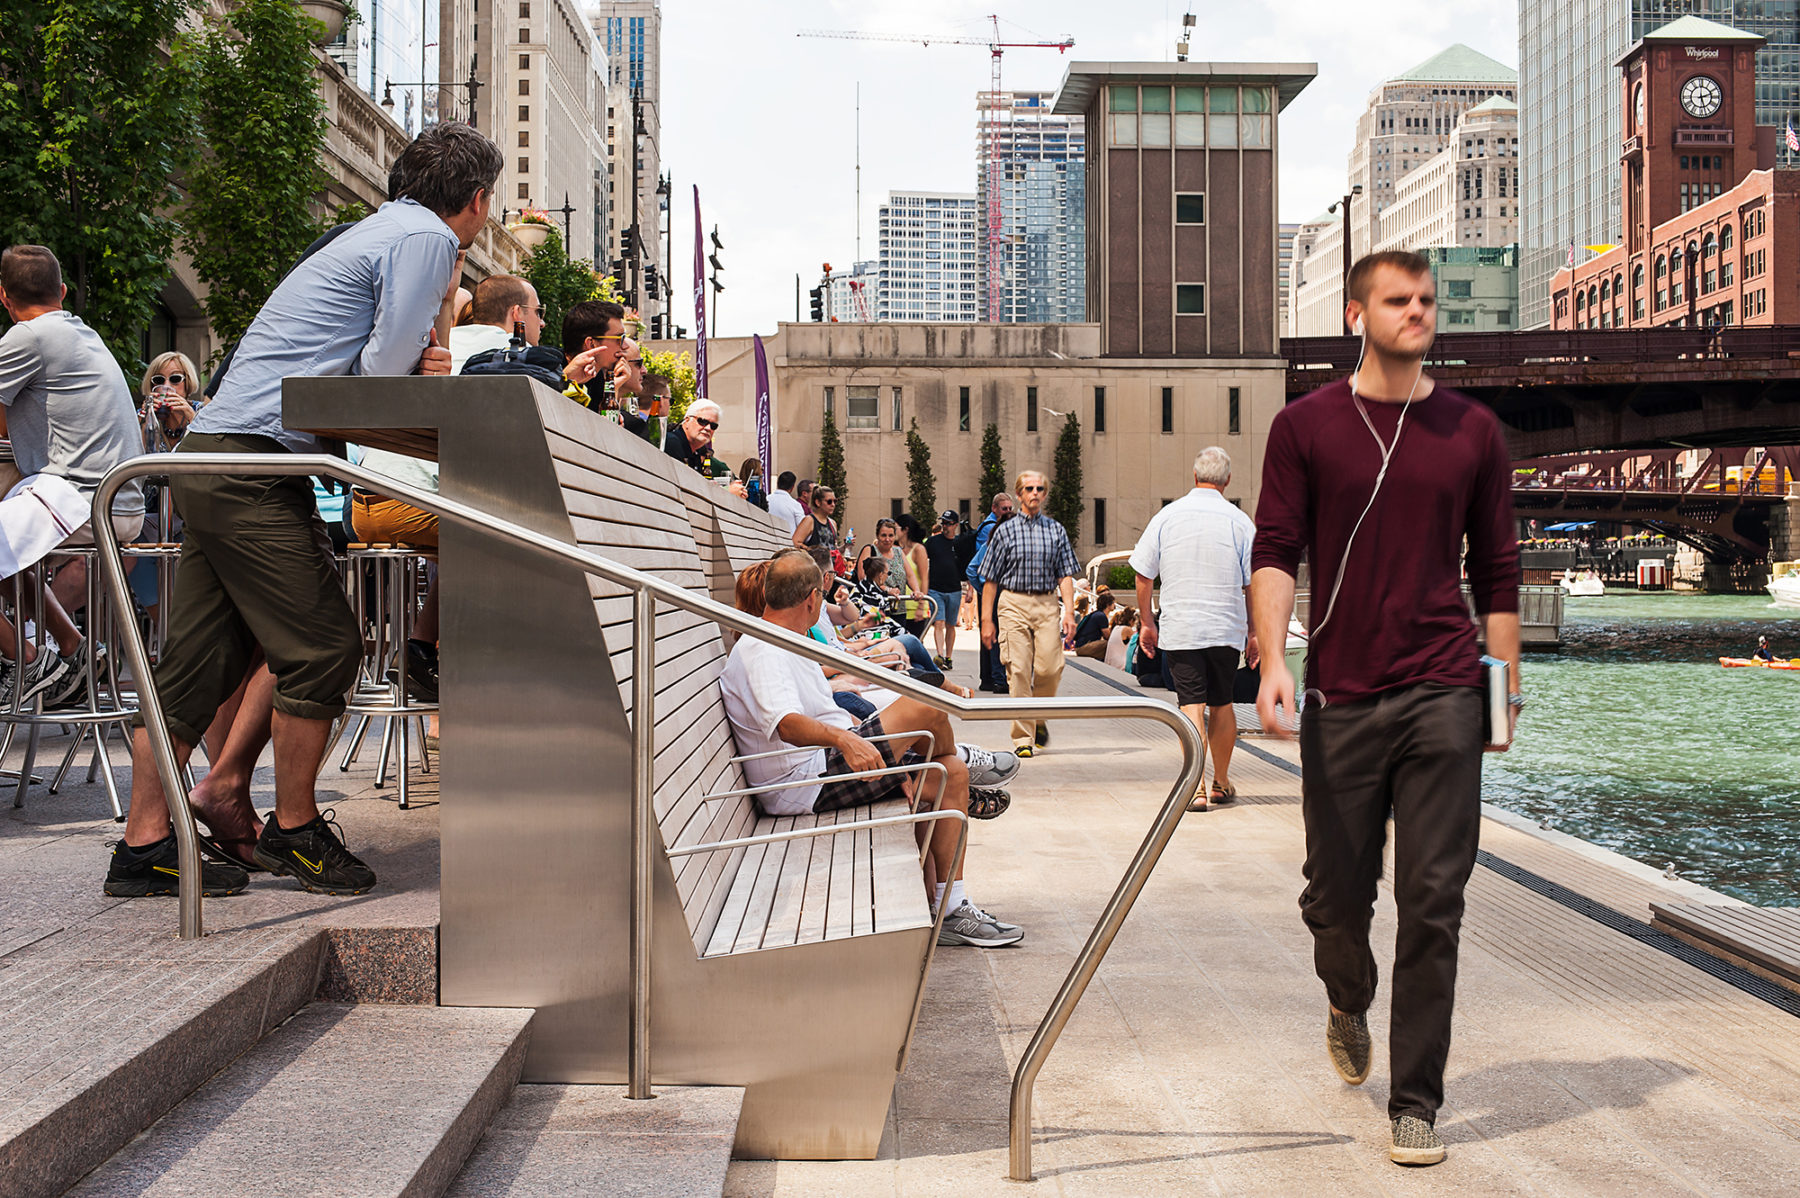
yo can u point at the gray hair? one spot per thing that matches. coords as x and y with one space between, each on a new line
705 407
1213 466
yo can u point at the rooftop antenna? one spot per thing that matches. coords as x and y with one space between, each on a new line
858 257
1187 33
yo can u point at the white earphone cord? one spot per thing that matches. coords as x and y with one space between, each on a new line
1387 456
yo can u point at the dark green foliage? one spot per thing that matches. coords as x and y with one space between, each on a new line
561 284
921 487
96 119
993 469
250 209
831 461
1121 577
1066 502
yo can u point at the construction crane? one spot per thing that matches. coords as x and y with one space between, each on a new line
996 50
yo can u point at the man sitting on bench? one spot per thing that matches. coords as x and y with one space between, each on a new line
776 700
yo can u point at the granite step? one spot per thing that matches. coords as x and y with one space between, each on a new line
102 1032
562 1141
352 1100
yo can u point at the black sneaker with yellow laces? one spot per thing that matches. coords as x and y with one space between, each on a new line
315 855
155 870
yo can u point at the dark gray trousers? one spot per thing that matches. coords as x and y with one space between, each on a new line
1414 754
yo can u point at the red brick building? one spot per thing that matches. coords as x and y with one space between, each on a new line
1704 205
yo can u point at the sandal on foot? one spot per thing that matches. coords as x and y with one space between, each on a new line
1199 803
1224 794
217 847
987 802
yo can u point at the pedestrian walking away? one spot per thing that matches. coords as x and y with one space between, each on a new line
1199 547
993 675
1028 602
1380 480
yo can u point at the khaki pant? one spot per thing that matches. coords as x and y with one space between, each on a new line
1029 635
378 519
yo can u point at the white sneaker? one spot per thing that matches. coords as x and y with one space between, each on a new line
986 767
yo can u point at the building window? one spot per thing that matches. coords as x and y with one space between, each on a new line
962 409
524 166
524 10
524 62
1099 409
1456 288
1234 411
524 87
1123 104
897 394
1190 208
862 407
1168 409
524 138
1099 521
1637 308
1031 411
1725 238
1190 299
524 112
830 403
964 507
524 191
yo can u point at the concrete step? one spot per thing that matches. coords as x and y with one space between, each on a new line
102 1032
558 1141
352 1100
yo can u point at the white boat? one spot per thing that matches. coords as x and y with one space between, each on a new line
1588 586
1784 584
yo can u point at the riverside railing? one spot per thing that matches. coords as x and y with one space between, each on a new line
647 590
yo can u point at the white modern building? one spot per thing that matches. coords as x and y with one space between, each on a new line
930 257
1316 305
1042 171
1284 271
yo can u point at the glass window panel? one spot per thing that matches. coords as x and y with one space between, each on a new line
1190 208
1190 299
1156 99
1124 130
1256 132
1124 99
863 408
1156 128
1256 99
1222 131
1190 99
1221 99
1190 130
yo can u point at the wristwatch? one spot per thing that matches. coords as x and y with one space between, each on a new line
1516 701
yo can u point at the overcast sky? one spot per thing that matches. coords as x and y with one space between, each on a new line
764 121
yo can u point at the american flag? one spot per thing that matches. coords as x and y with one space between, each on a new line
1571 253
1793 142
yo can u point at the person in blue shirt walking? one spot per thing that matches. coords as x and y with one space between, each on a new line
993 674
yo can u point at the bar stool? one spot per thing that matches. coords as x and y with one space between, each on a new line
391 579
97 713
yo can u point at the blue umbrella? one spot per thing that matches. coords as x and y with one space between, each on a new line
1572 527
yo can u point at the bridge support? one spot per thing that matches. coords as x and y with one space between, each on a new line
1784 531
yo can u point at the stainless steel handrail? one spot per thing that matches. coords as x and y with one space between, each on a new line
649 589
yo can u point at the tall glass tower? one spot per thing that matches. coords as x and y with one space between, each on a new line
1043 207
1569 130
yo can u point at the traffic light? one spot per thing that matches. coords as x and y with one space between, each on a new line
816 305
650 285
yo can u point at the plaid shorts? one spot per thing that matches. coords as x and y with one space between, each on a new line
858 792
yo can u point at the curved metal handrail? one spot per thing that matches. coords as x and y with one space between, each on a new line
649 589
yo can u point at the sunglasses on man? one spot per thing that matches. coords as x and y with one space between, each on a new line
705 423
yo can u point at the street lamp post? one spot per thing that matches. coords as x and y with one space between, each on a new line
472 83
567 211
1355 190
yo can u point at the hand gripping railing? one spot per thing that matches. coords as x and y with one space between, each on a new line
647 590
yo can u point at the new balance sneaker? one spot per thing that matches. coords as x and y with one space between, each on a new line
155 869
987 767
967 925
999 923
1415 1142
73 684
40 675
1347 1040
315 855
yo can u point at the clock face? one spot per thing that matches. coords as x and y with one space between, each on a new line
1701 96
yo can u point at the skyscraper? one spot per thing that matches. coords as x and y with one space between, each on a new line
929 257
1043 205
1569 122
631 31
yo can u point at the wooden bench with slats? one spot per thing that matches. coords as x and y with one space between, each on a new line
1764 940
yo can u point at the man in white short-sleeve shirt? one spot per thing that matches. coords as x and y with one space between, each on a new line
779 700
1199 546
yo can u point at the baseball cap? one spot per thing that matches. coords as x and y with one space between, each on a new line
950 517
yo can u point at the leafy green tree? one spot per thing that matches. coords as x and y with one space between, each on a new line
831 461
993 469
684 379
96 121
921 487
251 194
562 283
1066 500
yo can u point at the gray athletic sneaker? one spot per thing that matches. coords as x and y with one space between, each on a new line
1347 1040
987 767
40 675
1415 1142
996 921
967 925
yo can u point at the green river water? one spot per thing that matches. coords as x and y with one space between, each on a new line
1635 738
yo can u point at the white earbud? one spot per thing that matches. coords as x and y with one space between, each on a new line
1358 326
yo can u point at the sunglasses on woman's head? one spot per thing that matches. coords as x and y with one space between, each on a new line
174 380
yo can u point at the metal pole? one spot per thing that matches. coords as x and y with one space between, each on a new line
1345 285
187 842
643 824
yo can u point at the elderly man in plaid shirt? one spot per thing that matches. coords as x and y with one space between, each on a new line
1029 565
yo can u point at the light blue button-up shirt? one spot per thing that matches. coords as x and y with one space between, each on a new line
363 305
1199 546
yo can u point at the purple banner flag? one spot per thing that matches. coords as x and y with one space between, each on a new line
765 434
699 296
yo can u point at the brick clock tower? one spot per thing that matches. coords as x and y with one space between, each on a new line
1690 121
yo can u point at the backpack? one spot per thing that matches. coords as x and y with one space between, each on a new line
534 361
973 573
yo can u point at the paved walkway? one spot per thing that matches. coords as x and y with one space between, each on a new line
1585 1062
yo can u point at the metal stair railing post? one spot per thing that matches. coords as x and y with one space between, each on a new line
647 589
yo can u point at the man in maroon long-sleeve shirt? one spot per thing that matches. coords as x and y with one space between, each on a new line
1394 721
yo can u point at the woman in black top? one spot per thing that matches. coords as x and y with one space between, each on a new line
817 530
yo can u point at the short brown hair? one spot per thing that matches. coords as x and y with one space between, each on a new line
1411 264
589 318
657 384
497 295
31 276
443 167
789 580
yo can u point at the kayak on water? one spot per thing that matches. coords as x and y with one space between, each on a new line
1737 662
